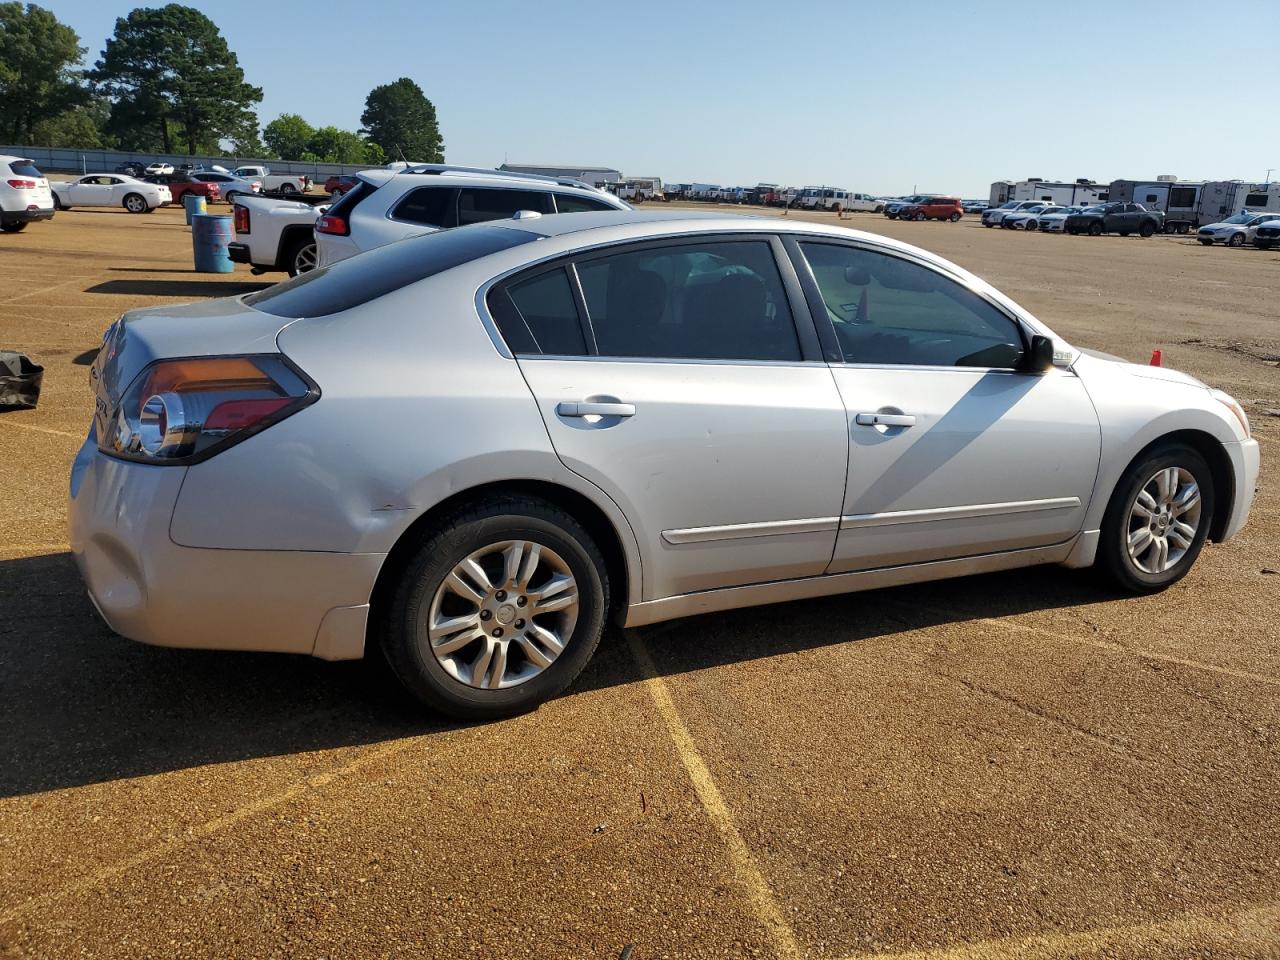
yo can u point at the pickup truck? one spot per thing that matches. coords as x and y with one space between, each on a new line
1121 218
273 182
275 234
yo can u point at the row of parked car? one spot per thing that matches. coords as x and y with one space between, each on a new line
1126 218
382 205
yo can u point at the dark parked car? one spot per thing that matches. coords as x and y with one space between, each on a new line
180 184
1121 218
1268 235
133 169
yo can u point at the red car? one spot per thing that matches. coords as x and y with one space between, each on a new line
933 208
336 186
180 184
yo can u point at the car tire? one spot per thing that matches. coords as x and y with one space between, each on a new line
230 196
288 188
954 218
1207 243
1262 244
878 210
434 581
1132 559
920 218
135 203
1095 229
1237 240
16 227
987 225
57 204
1147 229
1031 225
302 256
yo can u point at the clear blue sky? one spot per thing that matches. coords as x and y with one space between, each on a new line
877 97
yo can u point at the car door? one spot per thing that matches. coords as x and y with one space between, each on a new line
91 192
673 375
953 451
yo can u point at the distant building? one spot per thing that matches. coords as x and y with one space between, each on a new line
596 176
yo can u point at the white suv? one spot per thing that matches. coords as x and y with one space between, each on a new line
387 205
24 194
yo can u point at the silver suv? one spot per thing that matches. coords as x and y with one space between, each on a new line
391 204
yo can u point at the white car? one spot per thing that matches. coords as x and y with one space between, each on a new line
230 185
468 452
1235 231
275 234
111 190
24 194
388 205
994 216
1029 217
157 168
1055 219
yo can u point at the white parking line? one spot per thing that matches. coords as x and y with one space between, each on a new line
48 430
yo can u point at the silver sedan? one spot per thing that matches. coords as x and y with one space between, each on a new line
465 451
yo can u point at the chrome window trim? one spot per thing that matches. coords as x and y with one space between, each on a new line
971 511
720 235
742 531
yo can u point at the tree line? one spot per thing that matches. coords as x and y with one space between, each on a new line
167 82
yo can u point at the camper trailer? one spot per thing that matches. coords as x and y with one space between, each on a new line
1190 204
1058 192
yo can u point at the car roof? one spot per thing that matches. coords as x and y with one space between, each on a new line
378 176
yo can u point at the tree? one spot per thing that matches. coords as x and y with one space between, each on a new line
331 145
170 67
288 136
78 127
400 119
38 81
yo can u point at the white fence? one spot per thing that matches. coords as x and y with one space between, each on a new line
59 160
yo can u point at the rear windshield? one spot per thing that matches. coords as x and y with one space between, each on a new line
349 283
25 168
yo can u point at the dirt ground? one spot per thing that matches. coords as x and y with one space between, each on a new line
1018 765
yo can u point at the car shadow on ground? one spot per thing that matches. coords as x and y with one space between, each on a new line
82 705
177 288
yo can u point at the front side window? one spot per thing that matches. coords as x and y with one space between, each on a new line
888 310
477 205
694 301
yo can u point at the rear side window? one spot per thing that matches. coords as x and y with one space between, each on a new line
699 301
542 316
566 203
429 206
25 168
349 283
479 205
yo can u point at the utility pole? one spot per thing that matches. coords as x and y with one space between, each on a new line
1268 180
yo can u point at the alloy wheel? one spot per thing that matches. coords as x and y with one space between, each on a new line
502 615
304 261
1163 520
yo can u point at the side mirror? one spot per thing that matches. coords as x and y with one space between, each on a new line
857 276
1040 357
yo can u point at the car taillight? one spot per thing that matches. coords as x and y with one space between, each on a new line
242 219
22 184
184 411
337 226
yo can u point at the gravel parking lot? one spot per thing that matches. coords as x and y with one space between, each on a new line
1018 765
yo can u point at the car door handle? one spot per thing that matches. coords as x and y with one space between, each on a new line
589 409
885 420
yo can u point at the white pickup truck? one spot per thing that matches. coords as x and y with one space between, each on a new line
275 234
274 182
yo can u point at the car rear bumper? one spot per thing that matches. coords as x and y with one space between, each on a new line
26 216
238 252
151 590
